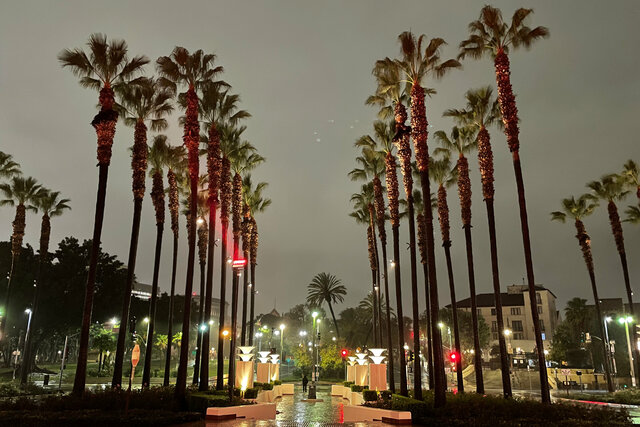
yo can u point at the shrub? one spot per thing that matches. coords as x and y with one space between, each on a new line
277 382
13 389
370 395
386 394
251 393
347 383
257 385
267 386
357 388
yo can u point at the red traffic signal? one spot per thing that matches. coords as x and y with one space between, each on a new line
453 357
344 353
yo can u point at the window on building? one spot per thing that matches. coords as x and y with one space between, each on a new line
515 311
518 336
494 326
539 309
516 325
493 311
538 298
495 336
541 325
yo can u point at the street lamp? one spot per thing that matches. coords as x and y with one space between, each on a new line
626 321
282 326
259 337
145 320
26 340
612 359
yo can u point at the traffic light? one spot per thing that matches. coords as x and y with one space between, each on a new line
410 355
453 357
344 353
132 325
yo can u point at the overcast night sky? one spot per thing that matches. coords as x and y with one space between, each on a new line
303 70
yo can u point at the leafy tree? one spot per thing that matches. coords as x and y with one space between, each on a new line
465 324
331 361
302 359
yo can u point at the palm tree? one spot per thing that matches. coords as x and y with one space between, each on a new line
176 164
416 67
23 193
611 189
326 287
140 103
51 205
217 107
364 214
203 235
577 209
442 174
243 158
195 71
257 204
632 174
8 167
159 157
253 203
105 68
372 167
490 35
384 137
481 111
390 96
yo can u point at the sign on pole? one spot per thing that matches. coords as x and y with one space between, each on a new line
135 355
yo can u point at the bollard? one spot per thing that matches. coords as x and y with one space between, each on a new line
312 390
46 380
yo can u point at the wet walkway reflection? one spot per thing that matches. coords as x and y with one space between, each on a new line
293 411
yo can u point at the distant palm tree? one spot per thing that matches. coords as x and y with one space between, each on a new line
8 167
441 173
51 205
611 189
217 108
418 65
159 157
23 193
144 102
105 68
631 172
364 214
577 209
326 287
194 71
482 110
176 165
257 204
372 167
383 141
491 36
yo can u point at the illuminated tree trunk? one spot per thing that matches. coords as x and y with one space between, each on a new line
422 245
173 209
391 179
203 233
225 204
509 112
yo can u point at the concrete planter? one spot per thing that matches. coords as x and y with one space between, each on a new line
337 390
363 414
259 411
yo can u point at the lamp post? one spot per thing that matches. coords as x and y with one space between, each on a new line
626 321
282 326
313 332
612 359
259 337
507 333
26 340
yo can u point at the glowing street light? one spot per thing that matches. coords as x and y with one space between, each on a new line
200 221
225 333
113 321
314 314
203 327
392 263
145 320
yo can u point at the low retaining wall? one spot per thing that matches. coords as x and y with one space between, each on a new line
362 413
268 396
259 411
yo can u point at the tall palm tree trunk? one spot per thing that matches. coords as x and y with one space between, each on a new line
419 134
585 244
443 216
45 233
403 361
391 179
477 350
616 229
146 373
167 359
333 316
429 346
105 125
221 319
191 140
17 237
139 167
252 304
245 285
504 357
387 315
234 325
377 292
206 337
509 112
404 153
372 245
199 351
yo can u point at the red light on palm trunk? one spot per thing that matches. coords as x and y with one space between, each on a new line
239 263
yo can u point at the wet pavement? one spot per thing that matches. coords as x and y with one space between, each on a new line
293 411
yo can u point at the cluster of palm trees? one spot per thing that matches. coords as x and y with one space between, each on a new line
610 189
25 194
212 128
404 82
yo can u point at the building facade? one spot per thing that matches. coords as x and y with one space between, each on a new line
516 313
